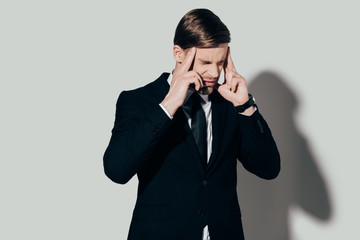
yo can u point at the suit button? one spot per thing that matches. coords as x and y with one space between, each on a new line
204 182
202 213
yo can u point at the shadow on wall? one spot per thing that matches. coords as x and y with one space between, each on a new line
265 204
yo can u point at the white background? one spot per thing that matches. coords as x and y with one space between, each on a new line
64 63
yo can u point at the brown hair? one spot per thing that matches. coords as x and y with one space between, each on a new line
201 28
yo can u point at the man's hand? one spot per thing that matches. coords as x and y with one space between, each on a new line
181 80
234 88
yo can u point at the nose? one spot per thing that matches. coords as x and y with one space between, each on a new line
214 71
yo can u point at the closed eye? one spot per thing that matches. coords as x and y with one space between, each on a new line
205 62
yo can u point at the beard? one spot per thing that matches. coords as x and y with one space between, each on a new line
206 90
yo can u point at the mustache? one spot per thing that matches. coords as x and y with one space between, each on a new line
208 78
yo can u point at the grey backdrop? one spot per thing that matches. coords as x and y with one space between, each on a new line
64 63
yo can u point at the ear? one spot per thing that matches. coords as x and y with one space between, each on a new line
178 53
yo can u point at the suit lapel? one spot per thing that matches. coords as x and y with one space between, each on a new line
180 116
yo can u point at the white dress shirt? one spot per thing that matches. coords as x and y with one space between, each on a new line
206 105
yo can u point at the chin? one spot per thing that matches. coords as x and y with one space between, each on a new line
206 90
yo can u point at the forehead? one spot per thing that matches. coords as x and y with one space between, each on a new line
212 54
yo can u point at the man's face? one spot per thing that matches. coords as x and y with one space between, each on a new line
208 64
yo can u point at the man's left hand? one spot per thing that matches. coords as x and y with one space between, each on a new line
234 89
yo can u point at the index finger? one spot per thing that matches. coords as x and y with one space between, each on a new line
229 62
189 58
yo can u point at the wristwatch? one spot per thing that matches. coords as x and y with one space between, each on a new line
249 103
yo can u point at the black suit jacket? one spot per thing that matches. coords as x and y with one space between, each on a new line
176 196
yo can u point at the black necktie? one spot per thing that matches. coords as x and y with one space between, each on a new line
192 108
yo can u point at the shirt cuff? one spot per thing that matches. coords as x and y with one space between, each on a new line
164 109
255 108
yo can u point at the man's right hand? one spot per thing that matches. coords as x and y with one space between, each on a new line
181 80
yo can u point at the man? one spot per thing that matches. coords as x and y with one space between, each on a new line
182 135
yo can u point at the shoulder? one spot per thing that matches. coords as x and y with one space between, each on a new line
152 90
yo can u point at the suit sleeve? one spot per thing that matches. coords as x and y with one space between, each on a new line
133 138
258 151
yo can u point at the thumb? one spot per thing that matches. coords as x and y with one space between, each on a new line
225 92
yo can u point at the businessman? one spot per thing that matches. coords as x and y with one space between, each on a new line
183 134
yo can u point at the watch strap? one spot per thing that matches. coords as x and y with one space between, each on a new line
242 108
